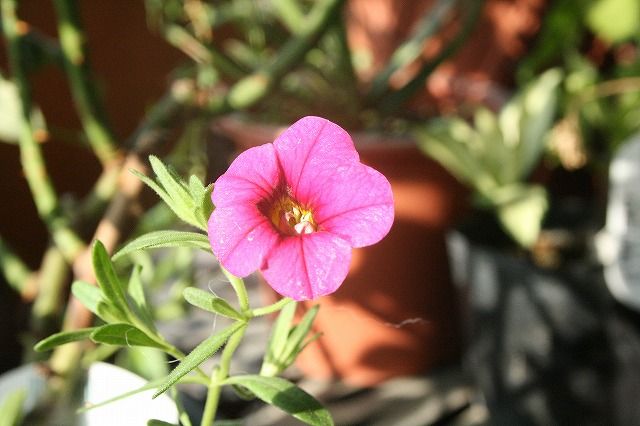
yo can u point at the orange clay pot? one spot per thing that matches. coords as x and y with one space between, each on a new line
396 313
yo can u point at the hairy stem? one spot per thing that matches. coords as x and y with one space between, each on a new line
218 375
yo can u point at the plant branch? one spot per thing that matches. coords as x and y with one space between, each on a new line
16 272
411 49
44 195
395 100
253 88
77 67
218 375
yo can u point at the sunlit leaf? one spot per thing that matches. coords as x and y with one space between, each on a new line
203 351
123 335
286 396
159 239
207 301
63 338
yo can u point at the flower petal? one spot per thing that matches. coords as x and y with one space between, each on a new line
310 146
307 266
252 176
240 238
354 202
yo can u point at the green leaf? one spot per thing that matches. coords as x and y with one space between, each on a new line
299 333
520 209
108 280
159 239
286 396
204 207
12 408
281 329
89 294
136 291
62 338
155 422
123 335
207 301
203 351
172 183
110 313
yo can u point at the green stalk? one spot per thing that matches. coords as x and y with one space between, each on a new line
275 307
253 88
42 190
218 375
240 289
391 103
16 272
411 49
88 105
52 279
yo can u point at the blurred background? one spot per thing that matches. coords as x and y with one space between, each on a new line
508 289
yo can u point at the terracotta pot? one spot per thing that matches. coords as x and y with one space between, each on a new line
395 314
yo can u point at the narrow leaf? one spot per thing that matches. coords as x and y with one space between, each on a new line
123 335
281 330
203 351
159 239
136 291
62 338
286 396
299 333
155 422
110 313
171 182
107 278
207 301
88 294
196 189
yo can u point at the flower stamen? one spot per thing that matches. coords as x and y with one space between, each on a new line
291 218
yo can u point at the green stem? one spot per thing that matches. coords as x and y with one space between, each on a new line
289 13
392 102
253 88
275 307
218 375
52 279
90 109
411 49
16 272
240 289
42 190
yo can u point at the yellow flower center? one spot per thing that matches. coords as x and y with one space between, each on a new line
292 218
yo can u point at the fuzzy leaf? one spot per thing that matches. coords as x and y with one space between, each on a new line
109 282
123 335
286 396
63 338
207 301
281 329
159 239
136 291
203 351
299 333
88 294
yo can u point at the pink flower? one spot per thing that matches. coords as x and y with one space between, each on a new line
296 207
